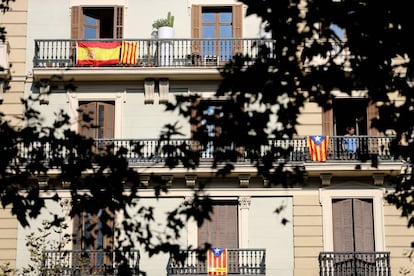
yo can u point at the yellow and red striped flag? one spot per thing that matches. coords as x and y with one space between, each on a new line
217 261
129 51
98 53
318 147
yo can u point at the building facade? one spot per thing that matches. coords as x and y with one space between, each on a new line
340 209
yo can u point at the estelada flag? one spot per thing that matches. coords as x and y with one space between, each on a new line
129 51
98 53
217 261
318 147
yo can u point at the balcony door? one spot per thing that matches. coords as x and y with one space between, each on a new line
97 22
222 229
353 225
349 112
222 22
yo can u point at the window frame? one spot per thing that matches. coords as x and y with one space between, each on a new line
118 98
327 195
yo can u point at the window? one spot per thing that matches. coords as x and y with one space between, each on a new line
355 117
92 234
97 22
102 119
211 23
346 112
353 225
222 229
351 212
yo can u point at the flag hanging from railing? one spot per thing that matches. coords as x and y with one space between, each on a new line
98 53
129 51
217 261
318 147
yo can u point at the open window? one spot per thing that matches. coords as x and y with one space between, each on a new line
349 112
97 22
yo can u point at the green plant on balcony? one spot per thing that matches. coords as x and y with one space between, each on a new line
164 22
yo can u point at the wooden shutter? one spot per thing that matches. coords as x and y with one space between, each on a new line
85 127
222 229
106 119
363 225
353 225
342 225
196 28
196 21
237 11
102 115
327 121
118 22
372 112
77 23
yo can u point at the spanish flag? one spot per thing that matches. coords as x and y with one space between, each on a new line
129 51
98 53
318 147
217 261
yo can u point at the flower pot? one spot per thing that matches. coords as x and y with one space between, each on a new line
166 47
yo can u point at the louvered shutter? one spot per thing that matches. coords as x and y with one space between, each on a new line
107 120
77 23
196 28
327 122
363 225
342 225
237 11
222 229
118 22
87 109
372 112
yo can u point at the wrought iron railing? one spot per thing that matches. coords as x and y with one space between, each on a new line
155 52
142 151
354 264
240 261
89 262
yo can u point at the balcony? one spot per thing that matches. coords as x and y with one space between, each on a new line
354 264
154 56
240 261
88 262
153 151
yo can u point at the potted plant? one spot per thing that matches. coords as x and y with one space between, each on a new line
164 27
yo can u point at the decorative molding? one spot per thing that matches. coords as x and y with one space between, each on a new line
168 180
144 180
326 178
244 180
190 181
378 179
43 181
66 184
65 203
44 91
149 87
164 90
244 202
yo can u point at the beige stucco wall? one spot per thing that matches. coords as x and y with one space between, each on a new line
307 231
310 120
8 237
398 239
15 22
